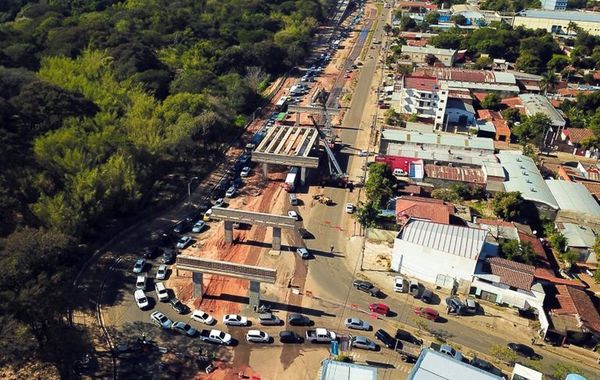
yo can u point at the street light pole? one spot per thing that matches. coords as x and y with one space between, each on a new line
190 189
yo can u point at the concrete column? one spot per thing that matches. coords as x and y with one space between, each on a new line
228 232
197 280
297 119
276 238
254 293
265 168
303 176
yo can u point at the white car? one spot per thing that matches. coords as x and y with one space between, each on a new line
399 284
199 226
219 202
293 214
349 208
230 192
161 320
183 242
161 272
235 320
302 252
245 171
161 292
257 336
139 265
363 153
140 282
184 328
202 317
140 299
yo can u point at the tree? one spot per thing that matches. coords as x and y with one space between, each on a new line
430 59
432 18
387 28
448 40
570 257
532 129
407 23
503 353
378 186
573 27
483 62
529 151
392 117
558 62
507 205
515 251
558 241
597 276
511 115
366 214
548 81
491 101
459 19
560 370
448 195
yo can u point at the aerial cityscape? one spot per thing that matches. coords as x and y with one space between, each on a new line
300 189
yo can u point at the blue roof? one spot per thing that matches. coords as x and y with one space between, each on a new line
561 15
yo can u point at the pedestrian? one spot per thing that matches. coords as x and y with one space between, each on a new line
533 340
331 248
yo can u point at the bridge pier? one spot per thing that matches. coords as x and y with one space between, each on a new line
302 176
265 169
228 232
197 280
254 294
276 238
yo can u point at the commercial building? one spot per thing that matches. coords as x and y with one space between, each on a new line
535 103
439 253
520 372
558 21
424 97
460 112
554 5
336 370
433 365
449 141
576 203
419 54
502 83
522 175
501 129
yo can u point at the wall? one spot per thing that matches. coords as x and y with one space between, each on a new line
454 115
425 263
507 296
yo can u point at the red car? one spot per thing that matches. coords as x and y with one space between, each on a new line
379 308
427 313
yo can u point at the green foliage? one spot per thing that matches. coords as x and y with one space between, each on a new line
432 18
510 6
503 354
452 39
407 23
483 62
515 251
507 205
560 370
491 101
558 241
458 19
529 151
444 194
532 129
558 62
597 276
392 117
570 256
366 214
511 115
379 184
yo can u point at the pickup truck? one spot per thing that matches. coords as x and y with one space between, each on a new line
215 336
320 335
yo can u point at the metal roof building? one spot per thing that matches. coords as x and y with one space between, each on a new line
457 240
433 365
535 103
574 197
558 21
448 140
522 175
334 370
577 236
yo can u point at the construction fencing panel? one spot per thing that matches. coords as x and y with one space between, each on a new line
446 282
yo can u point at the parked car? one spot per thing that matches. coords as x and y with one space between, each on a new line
199 226
357 324
349 208
427 313
139 266
427 296
363 342
140 282
178 306
230 192
303 252
161 320
293 214
455 306
183 242
184 328
400 284
414 288
161 272
450 351
525 351
202 317
486 366
268 319
235 320
379 308
168 256
220 202
471 305
151 252
257 336
366 287
182 226
161 292
386 339
295 319
290 337
140 299
245 171
207 215
408 337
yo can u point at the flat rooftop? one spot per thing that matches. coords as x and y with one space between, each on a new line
535 103
561 15
464 157
433 365
427 50
439 139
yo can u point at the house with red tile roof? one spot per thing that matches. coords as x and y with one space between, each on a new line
501 126
574 319
574 137
434 210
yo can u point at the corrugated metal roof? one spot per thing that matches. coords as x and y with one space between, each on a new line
452 173
433 365
573 196
451 140
535 103
523 176
427 50
457 240
577 236
335 370
561 15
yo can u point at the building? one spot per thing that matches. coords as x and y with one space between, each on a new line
558 21
419 54
580 239
433 365
520 372
434 210
460 112
439 253
444 176
507 282
448 141
554 5
501 129
502 83
535 103
576 203
574 137
522 175
336 370
574 318
424 97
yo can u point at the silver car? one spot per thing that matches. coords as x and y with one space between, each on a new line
161 272
183 242
139 265
357 324
184 328
363 342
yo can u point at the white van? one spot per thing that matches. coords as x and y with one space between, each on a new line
293 200
161 292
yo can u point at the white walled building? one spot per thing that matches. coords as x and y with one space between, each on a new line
433 252
418 54
424 97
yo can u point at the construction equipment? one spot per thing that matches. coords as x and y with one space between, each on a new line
323 199
336 176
